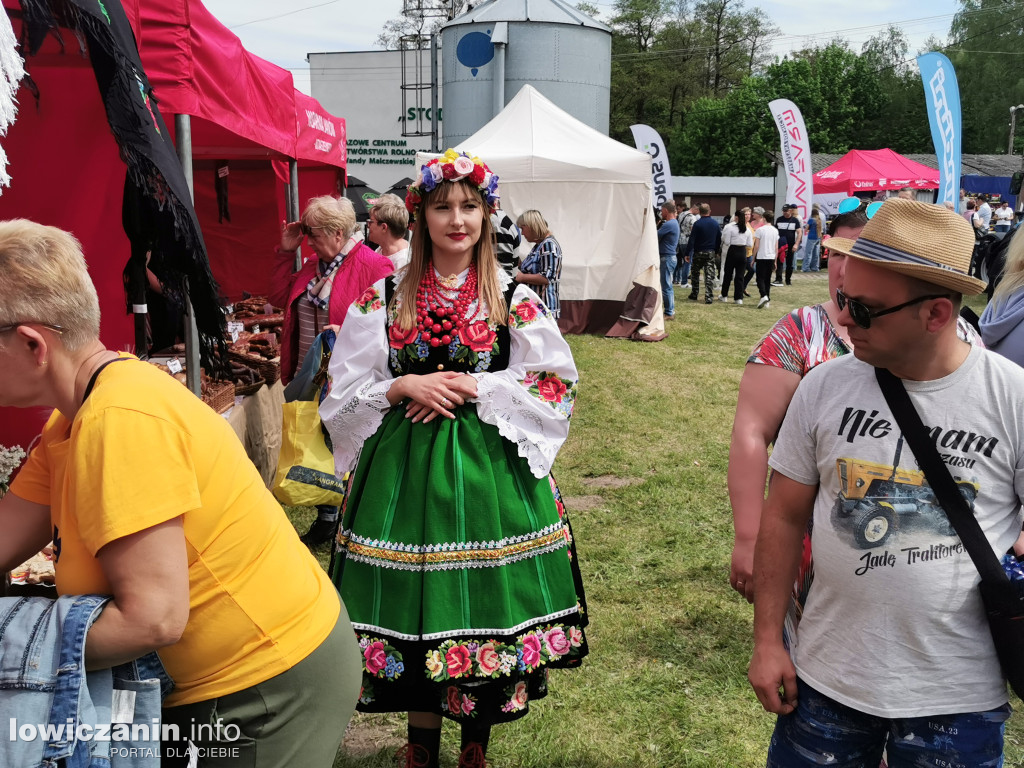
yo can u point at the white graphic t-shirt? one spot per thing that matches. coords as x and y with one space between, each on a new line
894 624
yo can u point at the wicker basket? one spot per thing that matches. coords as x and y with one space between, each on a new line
269 370
220 395
241 390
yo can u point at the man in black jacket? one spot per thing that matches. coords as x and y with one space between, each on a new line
702 250
790 232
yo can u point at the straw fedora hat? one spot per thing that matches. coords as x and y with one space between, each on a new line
925 241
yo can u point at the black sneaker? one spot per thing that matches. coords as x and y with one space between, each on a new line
692 297
319 533
709 301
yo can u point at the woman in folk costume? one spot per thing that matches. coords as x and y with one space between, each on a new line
454 554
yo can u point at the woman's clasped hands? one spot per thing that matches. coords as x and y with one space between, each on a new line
435 394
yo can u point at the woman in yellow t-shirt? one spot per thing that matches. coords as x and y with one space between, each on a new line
149 497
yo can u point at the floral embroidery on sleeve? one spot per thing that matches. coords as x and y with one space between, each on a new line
525 312
369 301
548 387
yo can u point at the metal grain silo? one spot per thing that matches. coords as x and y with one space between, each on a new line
494 49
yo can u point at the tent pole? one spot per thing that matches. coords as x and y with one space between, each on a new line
183 131
293 204
137 281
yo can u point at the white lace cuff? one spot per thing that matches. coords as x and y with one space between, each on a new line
521 419
356 421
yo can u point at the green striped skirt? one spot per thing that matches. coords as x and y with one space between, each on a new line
458 570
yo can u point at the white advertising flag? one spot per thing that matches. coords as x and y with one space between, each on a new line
796 154
647 140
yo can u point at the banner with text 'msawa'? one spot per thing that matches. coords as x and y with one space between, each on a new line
942 96
796 154
647 140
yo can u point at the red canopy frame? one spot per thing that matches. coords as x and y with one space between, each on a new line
245 111
865 170
67 170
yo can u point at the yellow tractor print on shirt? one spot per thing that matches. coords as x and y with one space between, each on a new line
877 500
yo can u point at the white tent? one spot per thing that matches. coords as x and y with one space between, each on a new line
596 196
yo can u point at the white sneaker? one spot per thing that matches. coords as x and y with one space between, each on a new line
724 299
777 284
738 301
763 302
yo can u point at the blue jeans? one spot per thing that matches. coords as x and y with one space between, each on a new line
668 298
682 273
824 732
812 256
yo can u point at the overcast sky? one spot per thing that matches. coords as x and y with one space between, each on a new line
285 33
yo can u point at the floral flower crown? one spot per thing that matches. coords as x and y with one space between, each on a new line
453 166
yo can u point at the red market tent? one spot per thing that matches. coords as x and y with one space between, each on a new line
320 136
247 118
67 171
865 170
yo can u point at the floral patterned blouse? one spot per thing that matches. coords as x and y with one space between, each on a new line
530 400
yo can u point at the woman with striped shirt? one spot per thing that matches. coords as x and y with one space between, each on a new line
542 269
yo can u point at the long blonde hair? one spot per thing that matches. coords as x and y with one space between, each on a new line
1013 272
421 256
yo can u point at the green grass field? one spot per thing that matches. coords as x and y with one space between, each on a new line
644 473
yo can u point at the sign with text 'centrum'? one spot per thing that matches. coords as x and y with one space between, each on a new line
383 152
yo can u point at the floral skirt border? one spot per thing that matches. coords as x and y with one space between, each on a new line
484 680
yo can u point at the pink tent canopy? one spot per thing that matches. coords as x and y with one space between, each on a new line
320 136
245 111
865 170
241 105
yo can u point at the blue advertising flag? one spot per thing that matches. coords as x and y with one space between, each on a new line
942 95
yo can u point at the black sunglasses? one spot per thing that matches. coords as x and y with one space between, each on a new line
308 230
862 316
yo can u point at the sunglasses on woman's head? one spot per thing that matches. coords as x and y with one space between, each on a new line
308 231
863 316
851 204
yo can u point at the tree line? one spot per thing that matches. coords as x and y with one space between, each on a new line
703 75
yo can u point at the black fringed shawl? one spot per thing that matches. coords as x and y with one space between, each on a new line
158 214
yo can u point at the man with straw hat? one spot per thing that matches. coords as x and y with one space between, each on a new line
893 650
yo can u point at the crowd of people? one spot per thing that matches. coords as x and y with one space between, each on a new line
749 244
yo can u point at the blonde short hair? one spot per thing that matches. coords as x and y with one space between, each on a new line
390 211
333 214
44 279
533 219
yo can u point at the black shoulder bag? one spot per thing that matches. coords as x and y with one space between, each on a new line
1003 598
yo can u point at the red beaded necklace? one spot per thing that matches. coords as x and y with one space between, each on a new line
442 312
